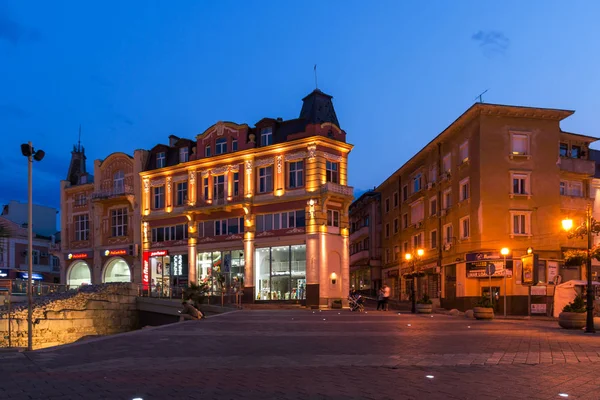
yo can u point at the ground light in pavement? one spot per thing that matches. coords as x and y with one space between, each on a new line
563 395
429 376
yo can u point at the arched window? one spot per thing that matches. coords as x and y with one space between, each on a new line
79 274
116 270
221 146
119 182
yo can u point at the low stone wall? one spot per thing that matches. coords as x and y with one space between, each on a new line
67 317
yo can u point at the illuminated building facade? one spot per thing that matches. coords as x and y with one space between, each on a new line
365 242
264 208
499 176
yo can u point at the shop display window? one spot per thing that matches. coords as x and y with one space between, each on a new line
281 273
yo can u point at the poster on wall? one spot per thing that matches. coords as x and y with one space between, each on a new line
528 261
518 271
552 271
476 263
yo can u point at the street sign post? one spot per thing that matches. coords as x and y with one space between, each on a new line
490 269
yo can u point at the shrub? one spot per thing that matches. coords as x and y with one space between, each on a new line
484 302
424 300
577 305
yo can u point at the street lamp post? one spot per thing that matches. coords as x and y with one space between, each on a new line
567 226
504 251
409 257
31 154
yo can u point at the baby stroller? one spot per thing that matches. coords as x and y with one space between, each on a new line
355 302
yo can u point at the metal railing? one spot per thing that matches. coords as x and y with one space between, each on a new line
18 287
114 192
217 297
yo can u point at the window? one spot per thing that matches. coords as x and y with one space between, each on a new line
284 220
207 151
220 227
266 136
520 223
520 144
417 184
447 199
236 183
433 206
221 146
463 152
205 187
447 162
396 225
396 200
82 227
387 205
181 193
433 172
159 197
119 182
36 257
387 255
404 221
563 150
170 233
417 212
387 230
296 174
448 233
405 193
161 159
465 231
433 239
571 188
520 183
235 226
265 179
396 253
184 155
333 219
405 247
332 171
418 241
575 151
218 188
119 222
464 189
81 200
234 145
563 188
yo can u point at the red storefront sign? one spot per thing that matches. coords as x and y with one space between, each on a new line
146 270
119 252
78 256
159 253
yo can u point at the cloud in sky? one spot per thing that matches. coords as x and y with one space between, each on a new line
13 32
491 42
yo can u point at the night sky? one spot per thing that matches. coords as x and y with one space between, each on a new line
133 72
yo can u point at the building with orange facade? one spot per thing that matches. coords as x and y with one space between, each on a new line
262 208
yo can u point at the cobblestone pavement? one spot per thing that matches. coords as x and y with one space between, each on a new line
301 354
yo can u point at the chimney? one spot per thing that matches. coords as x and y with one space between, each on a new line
172 140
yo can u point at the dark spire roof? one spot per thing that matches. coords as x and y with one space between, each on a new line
318 108
77 166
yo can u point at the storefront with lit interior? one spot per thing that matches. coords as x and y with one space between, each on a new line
280 273
162 270
116 268
79 271
221 270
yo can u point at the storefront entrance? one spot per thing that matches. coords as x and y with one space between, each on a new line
222 271
79 274
280 273
116 270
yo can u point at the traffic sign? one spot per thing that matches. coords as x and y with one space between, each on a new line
490 269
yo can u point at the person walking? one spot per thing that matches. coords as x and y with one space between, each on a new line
380 298
386 297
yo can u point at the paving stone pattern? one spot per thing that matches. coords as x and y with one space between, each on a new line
301 354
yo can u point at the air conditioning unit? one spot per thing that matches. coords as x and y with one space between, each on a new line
447 246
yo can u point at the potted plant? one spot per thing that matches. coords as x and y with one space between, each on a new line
424 305
483 309
573 314
575 258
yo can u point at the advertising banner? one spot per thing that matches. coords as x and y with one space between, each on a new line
476 263
529 262
146 270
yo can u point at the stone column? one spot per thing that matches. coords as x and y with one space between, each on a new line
345 278
192 257
249 289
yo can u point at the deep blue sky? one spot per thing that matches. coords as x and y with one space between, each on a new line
133 72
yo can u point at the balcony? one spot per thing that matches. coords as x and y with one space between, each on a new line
578 166
360 256
113 193
574 203
359 234
337 189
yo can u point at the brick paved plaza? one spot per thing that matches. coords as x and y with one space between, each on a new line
301 354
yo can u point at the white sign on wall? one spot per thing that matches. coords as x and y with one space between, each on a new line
538 308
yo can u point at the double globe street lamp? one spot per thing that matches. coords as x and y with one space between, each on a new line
409 257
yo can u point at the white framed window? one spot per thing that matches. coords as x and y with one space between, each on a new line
387 229
181 193
404 192
447 199
207 151
284 220
161 159
119 222
576 189
184 154
520 224
447 163
404 221
296 174
396 225
205 188
519 143
463 151
448 234
464 189
221 146
417 211
159 197
433 206
119 182
418 240
333 219
433 239
81 199
234 145
82 227
266 136
265 179
219 188
332 173
236 183
220 227
396 200
417 182
387 205
465 227
564 188
520 183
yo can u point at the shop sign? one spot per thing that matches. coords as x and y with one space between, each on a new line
159 253
146 270
111 253
538 308
78 256
529 262
3 273
34 276
476 264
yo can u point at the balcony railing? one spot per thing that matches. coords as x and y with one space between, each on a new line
359 233
337 188
221 201
578 166
114 192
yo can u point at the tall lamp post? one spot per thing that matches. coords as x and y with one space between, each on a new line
409 257
582 231
504 251
31 154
